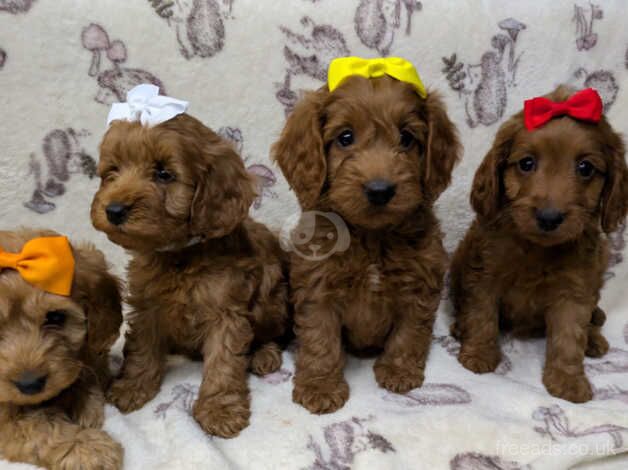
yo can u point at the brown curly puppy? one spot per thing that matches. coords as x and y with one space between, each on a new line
534 258
205 279
54 365
375 153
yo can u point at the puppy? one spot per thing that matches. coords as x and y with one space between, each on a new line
54 365
534 258
376 155
205 280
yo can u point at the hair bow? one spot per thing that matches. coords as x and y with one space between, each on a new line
144 104
586 105
396 67
46 263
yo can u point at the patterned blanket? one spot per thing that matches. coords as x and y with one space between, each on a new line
242 65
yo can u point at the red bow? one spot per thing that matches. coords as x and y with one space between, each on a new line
586 105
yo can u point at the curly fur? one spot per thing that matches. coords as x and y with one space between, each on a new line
382 293
58 427
220 298
509 272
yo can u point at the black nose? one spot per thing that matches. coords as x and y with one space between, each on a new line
117 213
549 219
379 192
31 383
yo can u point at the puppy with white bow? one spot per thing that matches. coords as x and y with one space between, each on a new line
205 279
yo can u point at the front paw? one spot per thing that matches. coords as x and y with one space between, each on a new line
92 449
266 359
574 388
480 359
597 345
397 379
322 398
131 394
223 416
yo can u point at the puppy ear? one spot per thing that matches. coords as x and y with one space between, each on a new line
224 191
300 150
98 292
486 192
614 204
443 147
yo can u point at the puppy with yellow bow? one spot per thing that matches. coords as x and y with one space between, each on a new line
59 315
371 150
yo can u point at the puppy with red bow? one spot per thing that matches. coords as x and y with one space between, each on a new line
552 185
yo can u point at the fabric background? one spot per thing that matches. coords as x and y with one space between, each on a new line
242 64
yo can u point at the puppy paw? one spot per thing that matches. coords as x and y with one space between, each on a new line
397 379
479 360
574 388
320 399
130 395
597 345
222 419
92 416
266 359
92 449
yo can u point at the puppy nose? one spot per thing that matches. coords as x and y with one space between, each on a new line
549 219
117 213
379 192
31 383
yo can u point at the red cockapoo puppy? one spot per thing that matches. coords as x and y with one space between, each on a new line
373 151
553 183
59 315
205 280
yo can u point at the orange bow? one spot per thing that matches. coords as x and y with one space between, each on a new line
45 262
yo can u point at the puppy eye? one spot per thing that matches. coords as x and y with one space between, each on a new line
585 168
345 138
55 319
162 175
406 140
527 164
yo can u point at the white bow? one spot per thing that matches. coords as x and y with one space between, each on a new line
144 104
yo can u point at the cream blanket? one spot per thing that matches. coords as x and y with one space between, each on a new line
242 64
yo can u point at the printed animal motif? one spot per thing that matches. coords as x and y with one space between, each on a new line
264 176
431 395
308 54
377 21
477 461
584 18
614 361
602 80
617 245
63 156
114 81
612 392
183 398
198 24
342 442
483 86
278 377
3 57
556 425
452 346
15 6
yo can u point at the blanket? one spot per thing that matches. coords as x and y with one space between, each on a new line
242 64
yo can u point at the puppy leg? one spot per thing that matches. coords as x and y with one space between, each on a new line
143 368
567 336
319 384
222 408
266 359
597 345
47 439
477 328
401 366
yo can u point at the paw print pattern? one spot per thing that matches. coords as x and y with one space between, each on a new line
377 22
483 87
64 156
115 80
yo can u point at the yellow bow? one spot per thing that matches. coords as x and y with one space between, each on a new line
396 67
45 262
